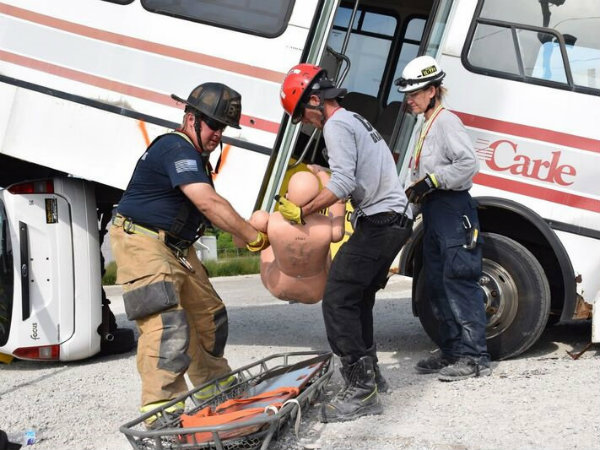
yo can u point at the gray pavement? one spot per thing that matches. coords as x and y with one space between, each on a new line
540 400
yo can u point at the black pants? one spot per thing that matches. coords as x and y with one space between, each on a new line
358 271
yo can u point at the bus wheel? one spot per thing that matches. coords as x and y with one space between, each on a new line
517 298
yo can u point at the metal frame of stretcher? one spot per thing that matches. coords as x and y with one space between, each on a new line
249 434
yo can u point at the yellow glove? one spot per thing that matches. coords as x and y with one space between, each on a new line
260 243
289 210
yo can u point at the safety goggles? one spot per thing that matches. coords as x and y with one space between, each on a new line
214 125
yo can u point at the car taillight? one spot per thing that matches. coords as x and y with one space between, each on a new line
33 187
41 353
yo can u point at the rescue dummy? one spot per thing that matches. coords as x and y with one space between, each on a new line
296 265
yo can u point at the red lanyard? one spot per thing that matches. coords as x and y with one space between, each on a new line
424 130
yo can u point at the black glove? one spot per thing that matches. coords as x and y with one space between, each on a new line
421 188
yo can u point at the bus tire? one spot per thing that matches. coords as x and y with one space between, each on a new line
517 297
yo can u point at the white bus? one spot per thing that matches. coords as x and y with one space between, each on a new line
85 85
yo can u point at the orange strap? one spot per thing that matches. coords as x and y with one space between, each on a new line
276 395
204 418
233 411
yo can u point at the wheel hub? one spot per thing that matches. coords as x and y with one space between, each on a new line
501 297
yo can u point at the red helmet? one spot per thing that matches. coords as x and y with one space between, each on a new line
297 81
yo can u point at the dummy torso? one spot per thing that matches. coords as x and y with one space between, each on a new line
296 264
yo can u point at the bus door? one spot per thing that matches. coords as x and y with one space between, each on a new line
384 37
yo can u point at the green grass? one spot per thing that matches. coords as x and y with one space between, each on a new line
241 265
232 261
110 274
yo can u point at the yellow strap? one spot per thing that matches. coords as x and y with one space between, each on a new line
185 136
149 407
131 227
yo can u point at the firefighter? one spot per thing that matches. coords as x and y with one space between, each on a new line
169 201
441 173
362 169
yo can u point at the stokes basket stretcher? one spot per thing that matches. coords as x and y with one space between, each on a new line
267 396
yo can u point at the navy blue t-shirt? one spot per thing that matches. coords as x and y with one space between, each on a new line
153 198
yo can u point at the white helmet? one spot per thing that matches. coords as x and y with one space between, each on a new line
420 73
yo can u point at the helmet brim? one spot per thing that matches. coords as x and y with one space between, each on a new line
180 100
329 94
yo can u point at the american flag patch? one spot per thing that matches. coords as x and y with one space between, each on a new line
186 165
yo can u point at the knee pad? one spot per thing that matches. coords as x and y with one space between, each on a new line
174 341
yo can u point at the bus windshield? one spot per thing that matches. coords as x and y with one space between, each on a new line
6 277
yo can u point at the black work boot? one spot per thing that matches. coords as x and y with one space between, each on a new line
434 364
358 398
382 385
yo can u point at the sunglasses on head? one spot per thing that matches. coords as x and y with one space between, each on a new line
213 124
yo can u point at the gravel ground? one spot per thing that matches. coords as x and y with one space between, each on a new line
541 400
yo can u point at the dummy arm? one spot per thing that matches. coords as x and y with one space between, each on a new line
325 198
337 211
219 211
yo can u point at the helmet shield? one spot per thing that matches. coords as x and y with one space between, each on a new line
216 101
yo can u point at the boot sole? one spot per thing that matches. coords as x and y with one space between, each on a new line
482 373
370 411
386 389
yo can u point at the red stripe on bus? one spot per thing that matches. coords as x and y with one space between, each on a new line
126 89
139 44
540 134
539 192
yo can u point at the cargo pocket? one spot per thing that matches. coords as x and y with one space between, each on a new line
463 263
147 299
354 265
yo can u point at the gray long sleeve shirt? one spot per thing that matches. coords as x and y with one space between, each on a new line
362 165
448 153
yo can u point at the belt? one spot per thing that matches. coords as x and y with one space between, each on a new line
387 218
173 242
179 247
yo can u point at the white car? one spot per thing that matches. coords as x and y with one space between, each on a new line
50 269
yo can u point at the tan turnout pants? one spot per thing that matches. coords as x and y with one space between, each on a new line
181 320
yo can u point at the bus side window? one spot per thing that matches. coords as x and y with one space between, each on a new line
508 41
267 18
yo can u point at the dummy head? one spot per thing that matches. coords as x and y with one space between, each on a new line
302 188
